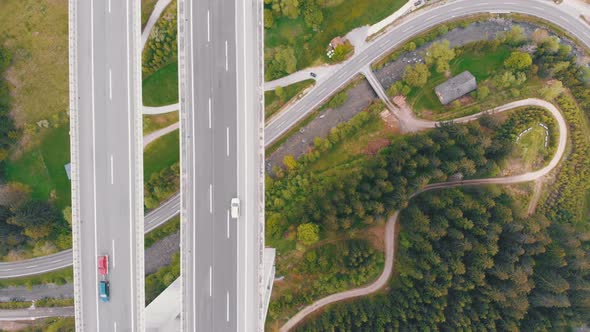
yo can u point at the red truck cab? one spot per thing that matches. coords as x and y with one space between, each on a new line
103 265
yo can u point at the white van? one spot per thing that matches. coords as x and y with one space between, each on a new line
235 208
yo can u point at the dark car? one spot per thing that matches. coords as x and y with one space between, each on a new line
103 290
313 74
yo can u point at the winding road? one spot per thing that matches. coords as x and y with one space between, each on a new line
407 27
390 227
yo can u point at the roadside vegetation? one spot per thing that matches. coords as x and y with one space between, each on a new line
462 256
297 33
161 48
275 99
168 228
58 277
160 154
147 7
157 282
335 101
52 324
155 122
42 303
161 169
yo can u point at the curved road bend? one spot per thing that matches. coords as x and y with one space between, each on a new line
389 230
414 24
63 259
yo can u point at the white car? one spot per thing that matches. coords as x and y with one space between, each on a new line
235 208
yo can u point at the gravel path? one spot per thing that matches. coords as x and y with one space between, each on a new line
389 232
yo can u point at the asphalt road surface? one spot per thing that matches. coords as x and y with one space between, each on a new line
418 22
107 183
209 165
63 259
28 314
389 233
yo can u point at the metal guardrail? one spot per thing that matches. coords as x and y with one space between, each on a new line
136 93
74 150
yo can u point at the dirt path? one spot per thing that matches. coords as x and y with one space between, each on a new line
389 236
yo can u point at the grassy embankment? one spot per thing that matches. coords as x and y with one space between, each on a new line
340 17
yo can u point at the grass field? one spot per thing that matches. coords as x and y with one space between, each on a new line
36 33
147 7
530 148
160 154
481 65
46 162
161 88
154 122
273 103
340 17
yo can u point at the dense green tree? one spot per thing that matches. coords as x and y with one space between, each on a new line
518 61
440 54
268 19
290 8
312 13
552 90
282 61
416 75
308 233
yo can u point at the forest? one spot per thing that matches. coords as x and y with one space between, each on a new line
468 260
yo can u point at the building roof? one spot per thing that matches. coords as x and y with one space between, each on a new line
456 87
337 41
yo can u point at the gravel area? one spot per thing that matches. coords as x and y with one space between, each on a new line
160 254
359 97
36 293
393 71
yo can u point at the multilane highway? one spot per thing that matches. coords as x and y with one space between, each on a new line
208 111
106 155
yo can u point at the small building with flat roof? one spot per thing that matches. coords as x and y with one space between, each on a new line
456 87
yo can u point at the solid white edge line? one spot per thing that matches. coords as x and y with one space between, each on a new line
228 224
210 198
192 255
113 253
129 143
227 141
94 155
210 280
209 112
